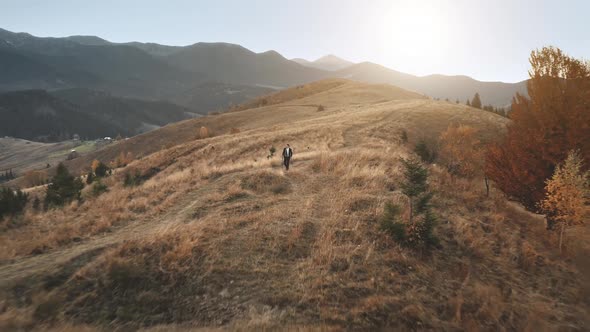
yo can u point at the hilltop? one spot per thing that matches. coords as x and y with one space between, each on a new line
216 235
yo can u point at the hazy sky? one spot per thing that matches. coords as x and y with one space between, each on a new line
488 40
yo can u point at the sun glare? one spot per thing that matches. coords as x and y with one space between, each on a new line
414 33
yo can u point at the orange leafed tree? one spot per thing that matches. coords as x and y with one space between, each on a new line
552 120
461 150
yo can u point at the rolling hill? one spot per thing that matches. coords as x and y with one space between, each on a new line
216 235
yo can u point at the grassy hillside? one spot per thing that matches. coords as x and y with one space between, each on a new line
21 155
219 235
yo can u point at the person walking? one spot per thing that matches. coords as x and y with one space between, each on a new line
287 154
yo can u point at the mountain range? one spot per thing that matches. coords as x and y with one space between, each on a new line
202 77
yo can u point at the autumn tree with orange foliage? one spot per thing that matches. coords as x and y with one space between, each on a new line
553 120
567 198
460 151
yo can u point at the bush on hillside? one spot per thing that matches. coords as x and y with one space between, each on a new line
321 108
426 154
101 170
271 152
89 177
63 188
204 132
99 188
11 201
404 136
135 177
122 160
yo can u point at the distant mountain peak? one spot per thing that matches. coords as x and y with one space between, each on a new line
88 40
327 62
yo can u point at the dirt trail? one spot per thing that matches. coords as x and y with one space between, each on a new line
53 261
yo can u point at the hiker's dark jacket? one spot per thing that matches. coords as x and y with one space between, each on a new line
287 152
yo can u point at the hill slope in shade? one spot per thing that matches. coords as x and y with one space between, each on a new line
232 63
219 235
39 115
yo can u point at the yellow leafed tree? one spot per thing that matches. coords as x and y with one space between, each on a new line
567 195
204 132
460 150
95 164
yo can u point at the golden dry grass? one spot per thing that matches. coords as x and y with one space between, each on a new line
222 236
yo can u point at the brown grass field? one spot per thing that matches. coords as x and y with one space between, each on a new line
223 238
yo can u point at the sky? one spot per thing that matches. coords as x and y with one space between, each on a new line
488 40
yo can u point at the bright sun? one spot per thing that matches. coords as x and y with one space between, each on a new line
414 33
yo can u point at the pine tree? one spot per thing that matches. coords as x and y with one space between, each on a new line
476 101
418 231
63 188
415 182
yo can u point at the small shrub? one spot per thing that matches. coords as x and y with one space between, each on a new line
122 160
271 152
36 204
89 177
404 136
101 170
425 153
321 108
391 224
234 131
204 132
134 178
99 188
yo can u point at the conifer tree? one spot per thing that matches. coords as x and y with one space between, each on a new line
63 188
476 101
